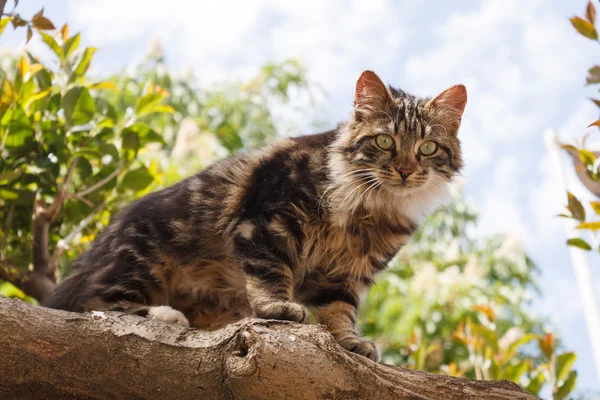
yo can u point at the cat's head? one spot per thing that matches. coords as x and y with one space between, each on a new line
400 142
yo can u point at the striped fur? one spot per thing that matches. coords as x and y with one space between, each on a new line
305 222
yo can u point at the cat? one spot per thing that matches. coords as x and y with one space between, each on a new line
304 222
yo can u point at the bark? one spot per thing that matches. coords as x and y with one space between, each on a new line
56 354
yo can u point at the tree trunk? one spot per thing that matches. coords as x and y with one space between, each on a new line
56 354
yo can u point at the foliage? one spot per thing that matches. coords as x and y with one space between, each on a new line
104 142
456 305
588 165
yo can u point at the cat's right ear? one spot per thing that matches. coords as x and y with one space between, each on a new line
371 95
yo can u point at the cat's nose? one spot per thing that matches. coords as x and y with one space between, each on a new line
405 172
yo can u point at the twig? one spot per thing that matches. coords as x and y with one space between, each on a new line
61 195
63 244
100 183
2 5
42 218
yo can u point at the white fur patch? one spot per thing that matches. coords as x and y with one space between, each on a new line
98 315
168 314
418 204
245 229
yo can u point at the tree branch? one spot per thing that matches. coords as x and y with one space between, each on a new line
61 195
56 354
2 5
101 182
63 244
42 279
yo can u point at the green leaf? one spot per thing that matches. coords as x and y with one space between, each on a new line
137 179
37 96
535 384
147 103
79 106
8 177
514 372
130 144
19 128
163 108
70 45
110 149
49 40
567 387
103 85
105 108
587 157
580 243
595 206
145 134
43 79
564 362
8 194
592 226
3 22
576 207
585 28
84 63
84 168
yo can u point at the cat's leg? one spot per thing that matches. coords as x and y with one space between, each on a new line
339 316
269 281
270 291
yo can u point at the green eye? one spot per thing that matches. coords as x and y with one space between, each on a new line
428 147
385 142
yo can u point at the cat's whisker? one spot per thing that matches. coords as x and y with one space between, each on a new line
380 183
349 194
374 184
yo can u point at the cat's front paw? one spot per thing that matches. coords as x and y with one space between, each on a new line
362 346
168 314
283 310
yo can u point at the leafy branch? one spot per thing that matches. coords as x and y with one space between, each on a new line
585 161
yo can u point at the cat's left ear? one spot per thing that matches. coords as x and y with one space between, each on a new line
449 106
371 95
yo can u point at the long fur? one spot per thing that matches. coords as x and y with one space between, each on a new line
305 222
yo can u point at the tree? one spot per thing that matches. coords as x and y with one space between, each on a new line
456 305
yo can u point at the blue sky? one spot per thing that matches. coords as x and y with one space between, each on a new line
522 63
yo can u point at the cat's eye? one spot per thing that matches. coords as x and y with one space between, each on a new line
428 147
385 142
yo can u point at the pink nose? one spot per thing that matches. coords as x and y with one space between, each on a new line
405 172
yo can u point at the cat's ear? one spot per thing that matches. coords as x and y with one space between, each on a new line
449 106
371 95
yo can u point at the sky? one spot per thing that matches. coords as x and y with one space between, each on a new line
523 65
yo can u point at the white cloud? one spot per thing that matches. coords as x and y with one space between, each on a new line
500 208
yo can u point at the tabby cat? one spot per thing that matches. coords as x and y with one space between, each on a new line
304 222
